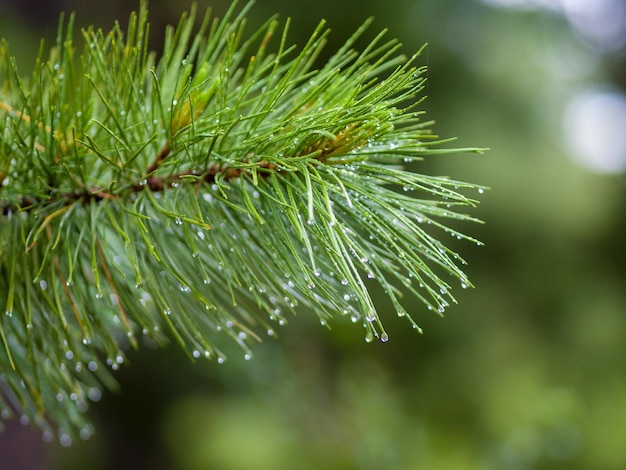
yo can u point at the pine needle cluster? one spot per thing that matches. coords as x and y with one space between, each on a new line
206 195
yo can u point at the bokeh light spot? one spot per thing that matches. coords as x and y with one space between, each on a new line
595 130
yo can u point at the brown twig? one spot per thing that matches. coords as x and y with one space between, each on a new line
154 183
163 154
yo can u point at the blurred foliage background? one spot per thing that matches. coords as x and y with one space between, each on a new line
528 371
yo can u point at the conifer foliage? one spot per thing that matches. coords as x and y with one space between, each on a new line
206 195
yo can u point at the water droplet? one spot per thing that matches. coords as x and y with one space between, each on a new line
167 311
481 190
9 313
94 394
248 356
178 220
24 420
86 432
270 332
384 337
69 355
65 440
196 354
92 366
344 282
369 337
220 360
370 317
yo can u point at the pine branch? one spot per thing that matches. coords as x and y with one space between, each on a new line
205 196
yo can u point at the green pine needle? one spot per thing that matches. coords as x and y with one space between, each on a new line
210 194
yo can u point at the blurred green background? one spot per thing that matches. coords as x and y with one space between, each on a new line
527 372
